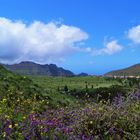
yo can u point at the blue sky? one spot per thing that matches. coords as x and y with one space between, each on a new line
93 36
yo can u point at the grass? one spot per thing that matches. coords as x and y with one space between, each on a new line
51 85
72 82
31 108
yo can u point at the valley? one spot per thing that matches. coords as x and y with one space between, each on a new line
46 107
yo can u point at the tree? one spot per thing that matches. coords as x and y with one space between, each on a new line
66 88
58 88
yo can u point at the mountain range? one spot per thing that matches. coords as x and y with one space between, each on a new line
130 71
31 68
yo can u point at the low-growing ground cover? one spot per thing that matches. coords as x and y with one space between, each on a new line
32 119
33 109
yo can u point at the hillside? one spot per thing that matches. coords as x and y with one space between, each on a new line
31 68
130 71
11 82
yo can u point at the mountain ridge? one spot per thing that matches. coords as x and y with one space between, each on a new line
32 68
133 70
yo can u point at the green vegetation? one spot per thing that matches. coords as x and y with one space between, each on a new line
72 82
10 82
72 108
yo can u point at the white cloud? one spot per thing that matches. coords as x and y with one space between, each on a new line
38 42
134 34
110 48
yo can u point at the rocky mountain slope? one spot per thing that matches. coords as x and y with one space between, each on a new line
130 71
31 68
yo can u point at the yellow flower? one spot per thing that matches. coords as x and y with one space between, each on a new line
101 101
10 126
32 111
94 109
91 131
100 109
16 124
115 123
41 127
4 134
91 122
24 117
6 116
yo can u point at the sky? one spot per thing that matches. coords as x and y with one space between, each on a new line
92 36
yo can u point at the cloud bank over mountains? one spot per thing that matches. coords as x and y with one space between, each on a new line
37 41
51 42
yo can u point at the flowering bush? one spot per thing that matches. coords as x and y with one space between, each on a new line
25 119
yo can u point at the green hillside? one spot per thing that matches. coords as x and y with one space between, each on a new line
10 82
21 88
